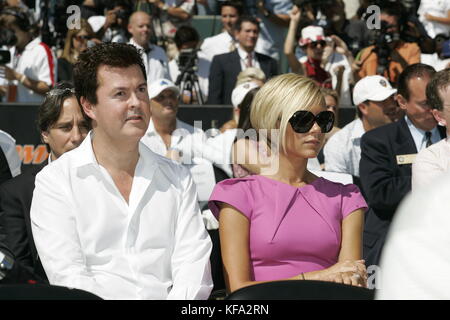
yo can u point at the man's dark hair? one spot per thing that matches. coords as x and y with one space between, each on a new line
395 9
185 34
50 110
118 55
412 71
440 80
232 3
246 18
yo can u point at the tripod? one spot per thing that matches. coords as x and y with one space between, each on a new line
187 81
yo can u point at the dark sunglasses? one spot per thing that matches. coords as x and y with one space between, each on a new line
79 38
302 121
314 44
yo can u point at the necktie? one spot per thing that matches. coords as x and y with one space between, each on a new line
428 139
249 60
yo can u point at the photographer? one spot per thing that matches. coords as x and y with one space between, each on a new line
113 25
189 69
390 55
33 62
168 16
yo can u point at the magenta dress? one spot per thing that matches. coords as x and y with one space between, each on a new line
292 229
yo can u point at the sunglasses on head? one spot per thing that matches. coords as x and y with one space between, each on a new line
302 121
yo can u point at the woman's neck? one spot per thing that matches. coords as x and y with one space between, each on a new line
290 170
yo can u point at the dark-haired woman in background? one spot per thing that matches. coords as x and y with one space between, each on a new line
63 127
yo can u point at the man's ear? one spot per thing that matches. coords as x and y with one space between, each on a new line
401 101
439 118
88 108
364 109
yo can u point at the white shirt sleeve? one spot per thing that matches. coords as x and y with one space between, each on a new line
415 260
55 234
424 169
335 155
191 272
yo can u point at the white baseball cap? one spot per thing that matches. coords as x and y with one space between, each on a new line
158 86
311 34
373 88
239 92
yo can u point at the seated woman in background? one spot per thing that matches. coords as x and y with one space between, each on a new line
62 126
332 104
287 223
76 42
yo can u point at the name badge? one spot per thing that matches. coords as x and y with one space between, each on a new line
406 158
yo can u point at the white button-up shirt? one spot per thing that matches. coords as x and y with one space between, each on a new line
155 62
88 237
342 152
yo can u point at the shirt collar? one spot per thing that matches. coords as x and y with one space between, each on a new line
243 54
150 46
84 154
33 43
419 134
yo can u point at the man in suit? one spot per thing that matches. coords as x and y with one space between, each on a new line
387 154
63 127
226 67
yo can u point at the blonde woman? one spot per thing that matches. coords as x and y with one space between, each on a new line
288 223
76 42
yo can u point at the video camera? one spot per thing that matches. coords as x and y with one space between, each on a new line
7 39
188 60
383 39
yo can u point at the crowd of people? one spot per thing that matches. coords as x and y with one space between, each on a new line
124 206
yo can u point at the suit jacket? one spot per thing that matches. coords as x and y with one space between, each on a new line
224 71
15 203
384 181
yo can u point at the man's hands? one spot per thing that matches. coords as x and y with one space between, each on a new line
9 74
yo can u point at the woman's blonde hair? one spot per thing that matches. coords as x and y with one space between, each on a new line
71 33
279 99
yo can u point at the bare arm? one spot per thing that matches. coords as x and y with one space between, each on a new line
289 43
176 12
279 19
39 87
444 20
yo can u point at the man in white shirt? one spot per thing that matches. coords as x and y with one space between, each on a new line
154 57
111 217
165 131
33 62
433 161
223 42
373 97
435 16
415 260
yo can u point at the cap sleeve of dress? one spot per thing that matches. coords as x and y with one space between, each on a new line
233 192
352 200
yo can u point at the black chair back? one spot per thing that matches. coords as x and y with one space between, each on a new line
301 290
43 292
